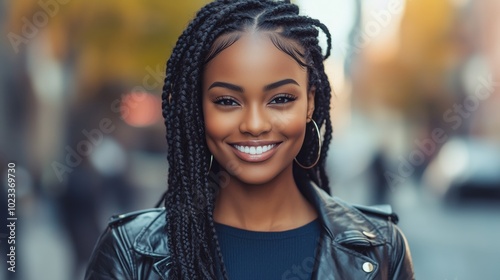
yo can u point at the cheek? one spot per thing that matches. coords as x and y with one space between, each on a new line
292 125
217 126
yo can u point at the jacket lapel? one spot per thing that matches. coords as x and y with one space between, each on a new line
152 242
336 262
347 232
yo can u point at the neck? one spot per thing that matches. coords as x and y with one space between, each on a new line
277 205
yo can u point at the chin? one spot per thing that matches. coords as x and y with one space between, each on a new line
256 176
254 181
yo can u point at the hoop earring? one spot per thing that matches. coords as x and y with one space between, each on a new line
210 165
319 149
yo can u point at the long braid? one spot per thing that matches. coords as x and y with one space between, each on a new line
190 200
302 29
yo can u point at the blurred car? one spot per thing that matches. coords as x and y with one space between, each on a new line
465 169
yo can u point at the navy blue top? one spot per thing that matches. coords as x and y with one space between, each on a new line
254 255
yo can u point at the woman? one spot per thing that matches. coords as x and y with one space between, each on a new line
244 101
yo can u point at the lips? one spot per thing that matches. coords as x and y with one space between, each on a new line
255 151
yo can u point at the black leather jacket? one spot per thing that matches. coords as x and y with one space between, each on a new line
357 243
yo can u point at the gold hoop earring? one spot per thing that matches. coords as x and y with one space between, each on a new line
210 165
319 149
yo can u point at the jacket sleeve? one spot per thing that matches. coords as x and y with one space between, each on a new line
111 258
401 262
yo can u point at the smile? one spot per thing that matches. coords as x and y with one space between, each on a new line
254 150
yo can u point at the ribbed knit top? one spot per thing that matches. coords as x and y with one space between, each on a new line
269 255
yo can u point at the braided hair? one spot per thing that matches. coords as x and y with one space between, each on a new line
190 199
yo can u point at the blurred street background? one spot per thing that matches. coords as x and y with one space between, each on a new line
416 119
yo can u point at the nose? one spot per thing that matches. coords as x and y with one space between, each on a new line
255 121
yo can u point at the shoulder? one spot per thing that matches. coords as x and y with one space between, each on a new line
382 222
129 240
371 231
381 211
136 220
377 222
144 230
380 218
343 220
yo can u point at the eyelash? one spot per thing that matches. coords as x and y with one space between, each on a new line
221 100
289 97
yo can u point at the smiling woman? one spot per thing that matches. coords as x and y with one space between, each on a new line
244 100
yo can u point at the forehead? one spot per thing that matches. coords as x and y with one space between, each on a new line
253 57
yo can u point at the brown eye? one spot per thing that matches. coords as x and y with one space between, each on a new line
226 101
281 99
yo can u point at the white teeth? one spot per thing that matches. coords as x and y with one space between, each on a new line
254 150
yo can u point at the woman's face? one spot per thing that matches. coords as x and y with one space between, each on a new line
255 105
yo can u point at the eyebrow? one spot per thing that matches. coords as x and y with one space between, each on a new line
280 83
226 85
266 88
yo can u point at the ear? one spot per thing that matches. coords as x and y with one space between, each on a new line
310 103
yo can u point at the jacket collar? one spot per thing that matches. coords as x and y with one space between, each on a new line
152 239
152 242
343 223
347 232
